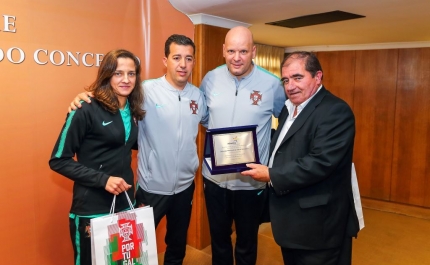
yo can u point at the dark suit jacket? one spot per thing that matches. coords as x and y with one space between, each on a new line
311 203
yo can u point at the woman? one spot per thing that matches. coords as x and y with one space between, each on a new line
101 135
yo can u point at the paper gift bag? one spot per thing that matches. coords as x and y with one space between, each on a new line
357 198
126 238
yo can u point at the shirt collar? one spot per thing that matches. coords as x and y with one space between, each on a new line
172 88
290 106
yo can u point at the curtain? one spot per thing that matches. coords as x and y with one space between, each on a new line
270 58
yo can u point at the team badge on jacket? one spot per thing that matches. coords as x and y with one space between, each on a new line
194 107
255 97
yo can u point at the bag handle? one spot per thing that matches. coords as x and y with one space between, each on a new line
112 207
129 201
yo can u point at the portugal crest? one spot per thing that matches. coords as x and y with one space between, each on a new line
125 231
255 97
194 107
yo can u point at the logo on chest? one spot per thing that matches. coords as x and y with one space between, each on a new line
106 123
194 107
256 97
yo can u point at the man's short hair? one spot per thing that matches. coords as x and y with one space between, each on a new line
179 40
312 64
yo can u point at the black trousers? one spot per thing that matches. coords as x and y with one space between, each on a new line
245 208
334 256
80 233
177 209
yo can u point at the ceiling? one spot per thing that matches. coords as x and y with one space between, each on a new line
386 21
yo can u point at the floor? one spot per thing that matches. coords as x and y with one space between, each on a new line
388 238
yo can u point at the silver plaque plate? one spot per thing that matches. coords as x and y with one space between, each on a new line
233 148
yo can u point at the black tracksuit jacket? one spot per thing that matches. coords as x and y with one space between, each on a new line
97 137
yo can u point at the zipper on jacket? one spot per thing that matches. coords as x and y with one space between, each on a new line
179 143
237 84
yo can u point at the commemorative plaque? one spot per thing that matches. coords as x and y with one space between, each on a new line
228 150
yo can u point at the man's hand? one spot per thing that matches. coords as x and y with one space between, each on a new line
116 185
76 103
257 172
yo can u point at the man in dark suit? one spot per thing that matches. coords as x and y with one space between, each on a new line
309 172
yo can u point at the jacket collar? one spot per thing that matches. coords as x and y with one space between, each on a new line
301 119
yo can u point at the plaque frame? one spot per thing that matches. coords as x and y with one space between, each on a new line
209 147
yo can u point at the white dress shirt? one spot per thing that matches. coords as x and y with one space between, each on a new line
290 119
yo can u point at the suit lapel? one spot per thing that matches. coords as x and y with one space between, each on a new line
282 118
305 113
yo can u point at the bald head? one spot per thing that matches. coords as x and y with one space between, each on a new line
238 51
240 33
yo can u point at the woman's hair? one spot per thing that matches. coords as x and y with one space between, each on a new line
104 92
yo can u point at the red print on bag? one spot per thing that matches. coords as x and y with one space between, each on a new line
125 238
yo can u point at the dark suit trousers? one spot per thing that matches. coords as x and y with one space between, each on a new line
245 208
332 256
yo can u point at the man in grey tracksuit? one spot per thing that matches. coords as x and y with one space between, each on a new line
239 93
167 159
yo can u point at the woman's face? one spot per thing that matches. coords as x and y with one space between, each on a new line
124 77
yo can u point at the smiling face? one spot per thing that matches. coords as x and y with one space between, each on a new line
179 63
238 51
298 83
123 79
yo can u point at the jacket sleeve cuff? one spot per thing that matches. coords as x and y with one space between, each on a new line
103 180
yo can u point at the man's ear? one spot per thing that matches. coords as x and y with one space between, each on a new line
223 50
165 61
318 76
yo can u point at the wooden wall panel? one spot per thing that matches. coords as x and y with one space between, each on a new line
338 73
209 41
374 107
411 166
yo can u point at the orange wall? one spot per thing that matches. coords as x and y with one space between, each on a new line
34 201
